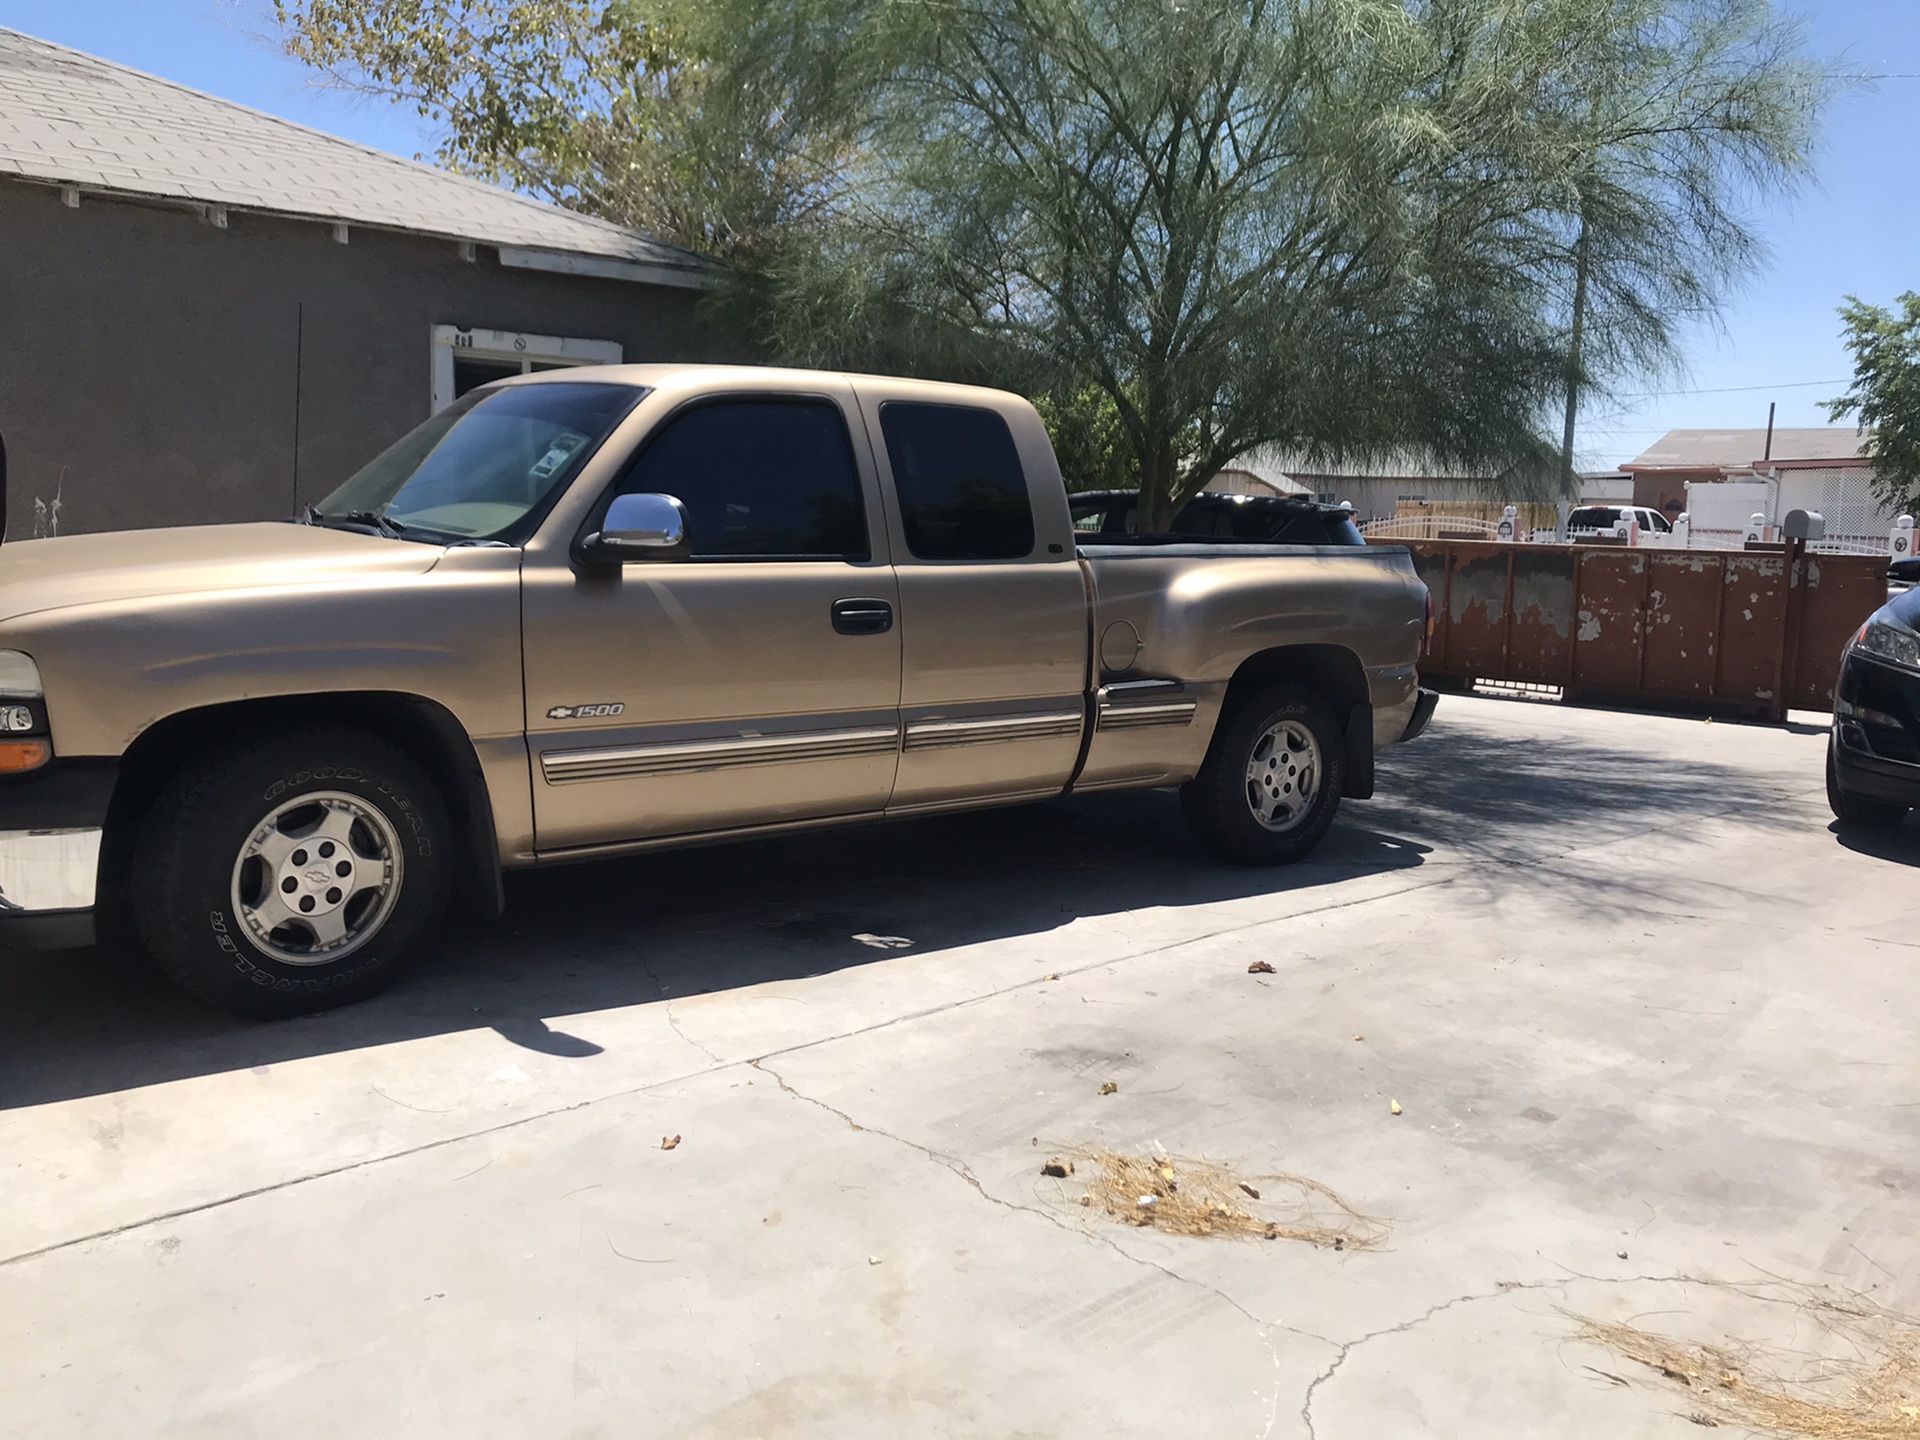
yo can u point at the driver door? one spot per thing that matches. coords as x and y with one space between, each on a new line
756 682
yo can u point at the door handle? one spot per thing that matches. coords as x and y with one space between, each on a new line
862 616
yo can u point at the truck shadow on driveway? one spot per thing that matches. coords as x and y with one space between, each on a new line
677 923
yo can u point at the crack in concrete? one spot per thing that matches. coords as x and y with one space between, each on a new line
646 968
719 1066
959 1169
1472 1297
1472 862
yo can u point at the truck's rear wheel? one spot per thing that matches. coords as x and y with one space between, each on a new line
1271 782
291 874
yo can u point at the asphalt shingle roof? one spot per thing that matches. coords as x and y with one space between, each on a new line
1736 449
71 118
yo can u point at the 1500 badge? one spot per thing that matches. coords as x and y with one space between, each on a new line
605 709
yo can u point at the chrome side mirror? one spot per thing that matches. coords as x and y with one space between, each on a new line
640 527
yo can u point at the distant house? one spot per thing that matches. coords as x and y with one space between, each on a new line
214 314
1402 482
1813 468
1377 486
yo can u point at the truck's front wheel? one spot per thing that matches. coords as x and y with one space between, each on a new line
1272 778
291 874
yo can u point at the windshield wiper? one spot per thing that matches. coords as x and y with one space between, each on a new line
381 523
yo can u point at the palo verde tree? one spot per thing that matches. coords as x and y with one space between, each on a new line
1331 225
1884 399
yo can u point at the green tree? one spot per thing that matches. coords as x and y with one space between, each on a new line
602 106
1332 225
1677 115
1884 399
1092 444
1189 229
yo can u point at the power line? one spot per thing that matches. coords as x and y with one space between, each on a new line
1732 389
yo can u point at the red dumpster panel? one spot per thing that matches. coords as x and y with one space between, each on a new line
1682 616
1607 625
1842 590
1477 611
1753 618
1540 644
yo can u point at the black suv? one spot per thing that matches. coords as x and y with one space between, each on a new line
1873 752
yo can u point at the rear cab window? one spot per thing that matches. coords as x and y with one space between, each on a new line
962 492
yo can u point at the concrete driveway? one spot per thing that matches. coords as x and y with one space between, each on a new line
1648 1020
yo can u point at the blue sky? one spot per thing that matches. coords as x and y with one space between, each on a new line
1857 229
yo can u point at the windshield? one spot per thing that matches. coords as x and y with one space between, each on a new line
486 464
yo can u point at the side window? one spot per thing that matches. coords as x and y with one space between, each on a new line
1089 513
761 479
963 495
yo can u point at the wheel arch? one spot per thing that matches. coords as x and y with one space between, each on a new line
1332 671
426 730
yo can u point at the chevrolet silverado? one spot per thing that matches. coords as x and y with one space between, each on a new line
590 612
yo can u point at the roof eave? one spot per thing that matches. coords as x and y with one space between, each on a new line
526 257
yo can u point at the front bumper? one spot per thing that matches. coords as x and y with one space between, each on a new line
1860 772
51 825
1876 730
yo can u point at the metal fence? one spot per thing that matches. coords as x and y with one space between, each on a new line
1431 527
1897 544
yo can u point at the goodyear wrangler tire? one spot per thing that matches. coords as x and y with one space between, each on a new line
291 874
1271 782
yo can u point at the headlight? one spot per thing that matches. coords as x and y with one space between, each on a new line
1890 642
22 713
19 676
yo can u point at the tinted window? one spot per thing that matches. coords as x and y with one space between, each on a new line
762 478
962 493
1205 517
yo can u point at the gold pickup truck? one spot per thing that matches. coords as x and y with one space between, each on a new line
595 611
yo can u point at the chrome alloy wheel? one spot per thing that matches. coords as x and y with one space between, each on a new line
1283 775
317 877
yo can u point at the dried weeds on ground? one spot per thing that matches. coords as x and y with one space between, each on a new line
1197 1197
1864 1385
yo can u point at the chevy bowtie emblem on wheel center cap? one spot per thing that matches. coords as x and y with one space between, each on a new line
600 710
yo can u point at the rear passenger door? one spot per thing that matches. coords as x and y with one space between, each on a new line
993 606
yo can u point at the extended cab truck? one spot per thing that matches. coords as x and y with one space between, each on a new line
594 611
